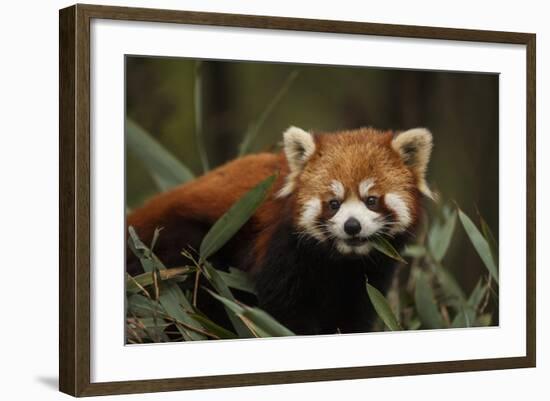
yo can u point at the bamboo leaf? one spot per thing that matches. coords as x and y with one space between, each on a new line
141 306
478 294
238 280
146 279
414 251
451 288
465 314
484 320
382 308
262 323
465 317
440 236
198 116
171 297
149 329
212 327
166 170
215 279
425 302
488 234
384 246
234 218
254 128
265 322
149 322
414 324
480 244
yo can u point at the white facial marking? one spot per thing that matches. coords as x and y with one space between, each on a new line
363 249
308 219
337 189
359 250
343 247
402 213
364 187
370 221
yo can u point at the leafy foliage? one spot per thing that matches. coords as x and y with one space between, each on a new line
427 294
234 219
254 127
164 300
165 169
432 298
383 308
480 243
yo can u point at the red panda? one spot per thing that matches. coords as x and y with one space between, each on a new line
308 246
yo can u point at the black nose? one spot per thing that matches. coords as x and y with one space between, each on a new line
352 226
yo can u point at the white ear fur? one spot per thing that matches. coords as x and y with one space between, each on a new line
415 148
299 147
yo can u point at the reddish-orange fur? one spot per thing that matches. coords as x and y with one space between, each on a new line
208 197
347 156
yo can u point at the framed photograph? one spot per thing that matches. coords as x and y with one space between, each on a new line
251 200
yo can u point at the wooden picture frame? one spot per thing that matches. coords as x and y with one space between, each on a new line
74 206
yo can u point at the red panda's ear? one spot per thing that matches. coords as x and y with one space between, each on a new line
415 148
299 146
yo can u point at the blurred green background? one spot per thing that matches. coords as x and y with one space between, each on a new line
461 110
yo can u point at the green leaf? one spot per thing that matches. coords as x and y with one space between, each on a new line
149 322
264 321
488 234
382 245
254 128
440 236
171 297
147 279
382 308
137 244
425 302
453 292
478 294
149 329
464 318
467 316
234 218
216 280
414 324
263 324
480 244
484 320
197 92
414 251
455 297
141 306
212 327
238 280
166 170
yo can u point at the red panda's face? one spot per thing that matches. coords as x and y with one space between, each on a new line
354 186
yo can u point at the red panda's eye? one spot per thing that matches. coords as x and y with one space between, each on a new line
334 204
372 202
